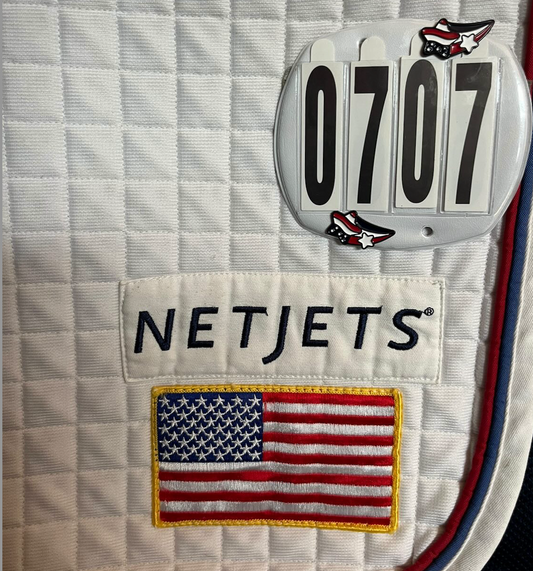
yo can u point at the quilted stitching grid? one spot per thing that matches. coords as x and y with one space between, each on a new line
97 122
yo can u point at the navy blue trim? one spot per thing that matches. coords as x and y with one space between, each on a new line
505 362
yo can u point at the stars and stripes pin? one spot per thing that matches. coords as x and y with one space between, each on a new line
276 455
447 39
351 229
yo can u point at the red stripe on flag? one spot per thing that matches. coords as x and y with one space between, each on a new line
268 476
330 398
270 515
286 458
337 439
302 418
375 501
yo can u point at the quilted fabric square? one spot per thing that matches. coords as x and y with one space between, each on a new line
276 455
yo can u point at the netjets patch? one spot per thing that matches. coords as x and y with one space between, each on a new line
282 325
276 455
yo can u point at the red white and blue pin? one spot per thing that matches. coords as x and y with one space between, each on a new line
447 39
353 230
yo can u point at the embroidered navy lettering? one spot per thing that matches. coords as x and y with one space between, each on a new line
282 333
287 325
363 313
195 326
399 324
249 311
163 342
311 326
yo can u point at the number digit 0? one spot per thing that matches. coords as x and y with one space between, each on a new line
422 73
320 80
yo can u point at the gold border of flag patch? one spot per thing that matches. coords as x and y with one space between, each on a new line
365 527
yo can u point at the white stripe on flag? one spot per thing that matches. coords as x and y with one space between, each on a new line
280 507
275 467
329 449
335 409
298 428
273 486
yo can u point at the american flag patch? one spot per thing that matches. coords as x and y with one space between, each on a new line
276 455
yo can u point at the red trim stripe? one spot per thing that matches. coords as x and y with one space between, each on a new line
302 418
336 439
269 476
270 515
330 398
375 501
269 456
428 556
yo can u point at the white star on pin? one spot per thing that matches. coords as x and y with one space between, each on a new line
366 241
469 43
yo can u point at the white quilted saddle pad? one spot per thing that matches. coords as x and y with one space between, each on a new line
138 144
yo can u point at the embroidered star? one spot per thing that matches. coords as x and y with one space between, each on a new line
219 401
366 240
219 455
255 401
173 409
164 400
469 43
185 455
227 407
255 455
202 455
166 455
237 400
202 401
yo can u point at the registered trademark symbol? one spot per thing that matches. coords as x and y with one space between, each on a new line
429 311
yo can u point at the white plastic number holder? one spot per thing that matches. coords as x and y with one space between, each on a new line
384 140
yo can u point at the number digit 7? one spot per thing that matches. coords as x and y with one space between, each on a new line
472 77
370 80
